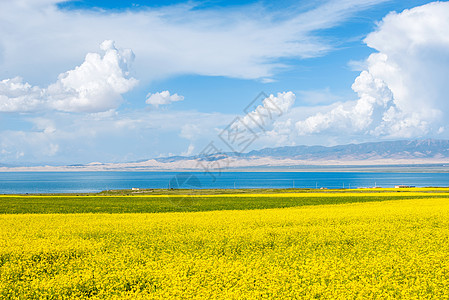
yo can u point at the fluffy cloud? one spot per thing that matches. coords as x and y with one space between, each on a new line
162 98
374 98
97 84
94 86
265 114
280 135
15 95
403 92
262 120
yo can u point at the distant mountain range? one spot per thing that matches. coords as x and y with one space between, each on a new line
417 149
403 152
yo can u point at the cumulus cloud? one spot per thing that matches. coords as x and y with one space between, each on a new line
94 86
97 84
260 120
374 98
162 98
403 92
266 113
15 95
280 135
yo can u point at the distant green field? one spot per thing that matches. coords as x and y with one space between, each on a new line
190 200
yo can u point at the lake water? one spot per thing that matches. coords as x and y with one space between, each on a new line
77 182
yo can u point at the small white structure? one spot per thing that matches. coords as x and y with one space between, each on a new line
135 189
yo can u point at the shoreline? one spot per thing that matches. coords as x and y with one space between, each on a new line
161 192
368 168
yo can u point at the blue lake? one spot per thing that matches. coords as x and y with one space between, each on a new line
77 182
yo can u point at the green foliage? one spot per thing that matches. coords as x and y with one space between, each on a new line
197 200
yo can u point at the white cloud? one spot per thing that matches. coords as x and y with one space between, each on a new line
262 123
271 108
403 92
374 97
240 43
162 98
280 135
15 95
97 84
94 86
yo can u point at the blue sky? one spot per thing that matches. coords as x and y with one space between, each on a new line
115 81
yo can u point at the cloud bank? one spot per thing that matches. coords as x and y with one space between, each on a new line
94 86
403 92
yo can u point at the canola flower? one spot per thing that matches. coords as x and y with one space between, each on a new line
385 250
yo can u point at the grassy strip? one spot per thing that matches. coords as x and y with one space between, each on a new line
209 192
263 191
189 203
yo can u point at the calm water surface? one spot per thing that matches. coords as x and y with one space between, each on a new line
77 182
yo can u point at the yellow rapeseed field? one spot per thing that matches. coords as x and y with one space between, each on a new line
383 250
